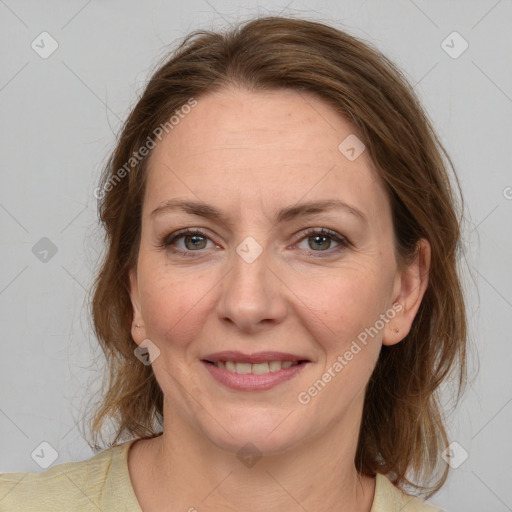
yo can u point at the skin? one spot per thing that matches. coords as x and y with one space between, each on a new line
249 155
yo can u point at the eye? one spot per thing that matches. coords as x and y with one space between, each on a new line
320 240
193 239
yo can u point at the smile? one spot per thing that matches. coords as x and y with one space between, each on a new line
256 368
253 376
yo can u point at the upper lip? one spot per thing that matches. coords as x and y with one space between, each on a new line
257 357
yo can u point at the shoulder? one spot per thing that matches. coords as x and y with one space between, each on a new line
389 498
101 482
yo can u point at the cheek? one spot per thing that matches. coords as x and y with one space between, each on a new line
172 302
333 305
341 303
347 305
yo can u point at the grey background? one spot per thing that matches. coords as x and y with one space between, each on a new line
59 117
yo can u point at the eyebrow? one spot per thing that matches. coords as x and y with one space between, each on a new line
284 215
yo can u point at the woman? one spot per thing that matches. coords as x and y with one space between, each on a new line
279 299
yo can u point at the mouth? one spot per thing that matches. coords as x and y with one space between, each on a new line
253 372
262 368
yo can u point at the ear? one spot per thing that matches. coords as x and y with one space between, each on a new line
138 333
410 286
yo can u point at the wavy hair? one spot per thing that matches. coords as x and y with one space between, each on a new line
403 427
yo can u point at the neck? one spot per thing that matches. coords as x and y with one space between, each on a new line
189 472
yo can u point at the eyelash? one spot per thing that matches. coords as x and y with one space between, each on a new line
168 241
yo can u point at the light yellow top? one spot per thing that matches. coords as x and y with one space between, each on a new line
102 483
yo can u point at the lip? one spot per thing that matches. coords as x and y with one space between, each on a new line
252 381
258 357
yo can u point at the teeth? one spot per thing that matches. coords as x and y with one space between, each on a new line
260 368
274 366
243 368
257 368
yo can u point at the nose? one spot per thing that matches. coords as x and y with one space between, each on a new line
252 296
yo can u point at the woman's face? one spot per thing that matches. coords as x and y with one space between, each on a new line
261 277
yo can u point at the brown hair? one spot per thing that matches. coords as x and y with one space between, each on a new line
402 427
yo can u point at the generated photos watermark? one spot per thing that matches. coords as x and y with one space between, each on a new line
305 397
143 151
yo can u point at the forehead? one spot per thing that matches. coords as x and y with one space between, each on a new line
270 146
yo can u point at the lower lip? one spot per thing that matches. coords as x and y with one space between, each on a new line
252 381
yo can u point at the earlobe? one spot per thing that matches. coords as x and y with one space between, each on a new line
412 284
138 330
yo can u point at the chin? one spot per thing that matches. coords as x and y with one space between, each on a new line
261 435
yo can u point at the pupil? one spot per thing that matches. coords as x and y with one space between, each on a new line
316 238
196 240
